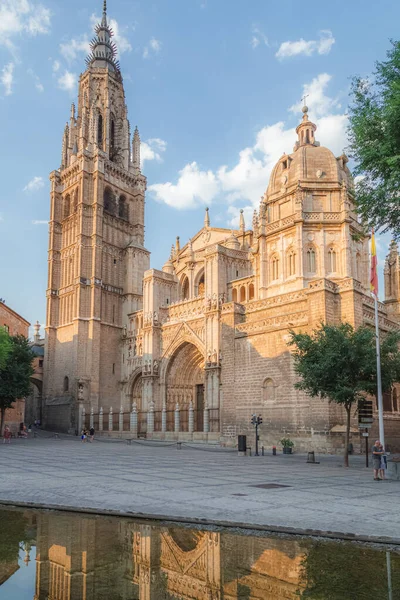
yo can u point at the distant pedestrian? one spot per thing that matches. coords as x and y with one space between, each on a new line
91 432
383 465
377 454
83 435
7 435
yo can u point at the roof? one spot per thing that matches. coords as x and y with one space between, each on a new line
14 313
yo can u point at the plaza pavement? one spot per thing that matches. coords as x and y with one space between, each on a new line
202 484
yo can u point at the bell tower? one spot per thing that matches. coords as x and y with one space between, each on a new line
96 244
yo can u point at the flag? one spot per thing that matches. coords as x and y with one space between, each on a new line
374 266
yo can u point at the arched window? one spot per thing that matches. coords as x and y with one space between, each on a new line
268 390
109 201
242 294
331 260
112 134
67 206
394 399
122 208
185 288
201 286
234 295
66 384
311 263
291 263
75 201
100 131
275 268
251 292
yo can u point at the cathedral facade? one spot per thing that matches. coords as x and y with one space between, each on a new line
191 351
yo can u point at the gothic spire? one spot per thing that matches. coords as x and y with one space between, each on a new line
136 150
103 50
241 221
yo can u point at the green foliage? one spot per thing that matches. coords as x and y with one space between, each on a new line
5 346
374 134
335 571
15 374
13 532
287 443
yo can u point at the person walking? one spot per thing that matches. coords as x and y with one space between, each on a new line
377 454
91 432
83 435
7 435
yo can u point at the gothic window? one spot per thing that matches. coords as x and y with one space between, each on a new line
75 201
275 268
387 401
234 295
67 206
112 134
291 263
185 288
100 131
242 294
268 390
311 262
123 208
109 201
331 260
251 292
66 384
200 285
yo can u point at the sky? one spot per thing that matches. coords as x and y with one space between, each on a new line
214 86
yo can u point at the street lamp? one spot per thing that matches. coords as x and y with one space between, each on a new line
256 421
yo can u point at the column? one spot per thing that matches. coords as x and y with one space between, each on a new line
110 419
150 418
134 418
91 418
101 420
164 417
121 419
177 418
191 417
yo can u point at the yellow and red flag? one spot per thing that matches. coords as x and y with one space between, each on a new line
374 267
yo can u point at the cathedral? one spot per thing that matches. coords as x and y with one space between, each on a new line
191 351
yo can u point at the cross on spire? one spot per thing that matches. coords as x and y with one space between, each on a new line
304 99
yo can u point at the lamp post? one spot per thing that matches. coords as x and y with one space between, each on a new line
256 421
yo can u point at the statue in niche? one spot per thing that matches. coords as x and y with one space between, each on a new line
209 357
215 357
129 351
80 391
155 367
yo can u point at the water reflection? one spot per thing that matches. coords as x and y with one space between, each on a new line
96 558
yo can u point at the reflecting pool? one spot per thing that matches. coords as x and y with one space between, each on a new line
48 555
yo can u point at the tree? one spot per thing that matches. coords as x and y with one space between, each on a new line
374 134
5 346
15 374
338 362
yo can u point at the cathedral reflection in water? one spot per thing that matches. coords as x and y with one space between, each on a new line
93 558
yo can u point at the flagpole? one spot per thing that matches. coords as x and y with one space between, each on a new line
378 374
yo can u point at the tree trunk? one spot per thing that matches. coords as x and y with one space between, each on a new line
347 437
2 413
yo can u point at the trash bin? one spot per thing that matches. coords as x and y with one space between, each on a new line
242 445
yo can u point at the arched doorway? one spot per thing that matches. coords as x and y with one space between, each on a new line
185 384
137 398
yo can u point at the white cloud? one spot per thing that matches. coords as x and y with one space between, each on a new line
152 149
34 184
152 48
56 66
247 180
74 48
194 187
38 84
7 78
258 37
234 213
18 17
67 82
307 48
38 222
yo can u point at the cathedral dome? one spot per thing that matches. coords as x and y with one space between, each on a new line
168 267
309 162
232 242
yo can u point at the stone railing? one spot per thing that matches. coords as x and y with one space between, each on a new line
186 309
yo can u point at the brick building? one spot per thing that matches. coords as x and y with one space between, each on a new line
193 349
14 324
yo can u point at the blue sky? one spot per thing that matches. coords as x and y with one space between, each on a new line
214 87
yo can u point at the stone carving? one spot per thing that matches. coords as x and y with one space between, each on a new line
155 367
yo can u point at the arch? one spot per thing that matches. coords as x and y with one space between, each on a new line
268 390
311 260
234 295
332 260
66 384
67 206
185 288
123 208
242 294
109 201
184 384
291 263
275 267
100 130
200 283
251 292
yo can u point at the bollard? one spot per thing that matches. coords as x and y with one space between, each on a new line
311 458
179 445
273 450
262 450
